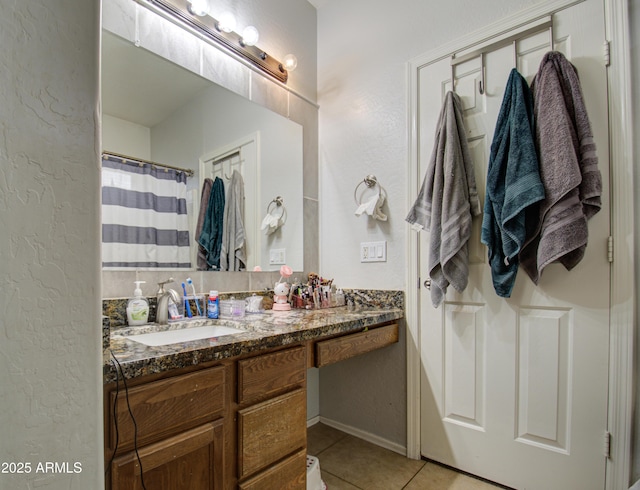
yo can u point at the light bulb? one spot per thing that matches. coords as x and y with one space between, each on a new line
250 36
226 22
198 7
289 62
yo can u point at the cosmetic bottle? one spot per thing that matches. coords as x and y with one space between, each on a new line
138 307
213 305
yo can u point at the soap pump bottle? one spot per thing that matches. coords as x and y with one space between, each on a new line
138 307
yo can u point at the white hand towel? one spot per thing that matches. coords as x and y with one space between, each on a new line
373 207
270 223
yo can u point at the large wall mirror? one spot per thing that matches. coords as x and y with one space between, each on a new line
156 111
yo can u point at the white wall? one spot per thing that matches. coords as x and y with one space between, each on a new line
50 324
125 137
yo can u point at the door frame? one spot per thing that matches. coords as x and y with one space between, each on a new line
622 295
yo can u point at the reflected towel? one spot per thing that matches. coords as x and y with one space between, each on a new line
270 223
204 206
210 238
447 202
233 254
568 168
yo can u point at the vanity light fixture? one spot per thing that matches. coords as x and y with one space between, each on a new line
198 7
289 62
250 36
193 14
226 22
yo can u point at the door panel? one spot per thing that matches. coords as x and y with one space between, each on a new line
515 390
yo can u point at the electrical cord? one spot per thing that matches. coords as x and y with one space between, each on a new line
115 420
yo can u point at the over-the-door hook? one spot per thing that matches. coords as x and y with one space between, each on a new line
482 86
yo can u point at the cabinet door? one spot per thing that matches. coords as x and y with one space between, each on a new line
347 346
271 430
189 461
263 376
290 474
165 407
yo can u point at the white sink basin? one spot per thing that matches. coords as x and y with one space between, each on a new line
167 337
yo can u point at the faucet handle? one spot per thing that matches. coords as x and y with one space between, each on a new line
161 285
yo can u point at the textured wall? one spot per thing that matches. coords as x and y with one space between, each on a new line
50 344
363 50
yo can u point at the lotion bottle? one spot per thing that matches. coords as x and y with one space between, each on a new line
138 307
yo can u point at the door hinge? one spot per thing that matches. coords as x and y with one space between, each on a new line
607 444
607 53
610 249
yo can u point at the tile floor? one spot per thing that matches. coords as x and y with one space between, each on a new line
349 463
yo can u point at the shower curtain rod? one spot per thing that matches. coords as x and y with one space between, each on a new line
148 162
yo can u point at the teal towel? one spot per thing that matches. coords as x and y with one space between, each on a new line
513 184
211 237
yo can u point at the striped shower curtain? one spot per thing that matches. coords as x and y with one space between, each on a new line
144 216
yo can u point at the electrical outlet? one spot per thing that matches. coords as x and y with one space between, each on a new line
373 251
277 256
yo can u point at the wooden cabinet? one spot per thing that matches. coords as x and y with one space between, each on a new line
165 407
168 433
284 475
188 461
240 424
346 346
272 429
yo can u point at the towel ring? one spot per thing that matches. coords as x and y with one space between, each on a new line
279 202
370 181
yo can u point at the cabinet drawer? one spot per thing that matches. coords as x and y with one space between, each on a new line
341 348
271 430
261 376
165 407
290 474
192 460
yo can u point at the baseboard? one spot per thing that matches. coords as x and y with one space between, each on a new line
313 421
367 436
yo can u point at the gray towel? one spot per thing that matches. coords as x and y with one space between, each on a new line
568 169
447 202
233 255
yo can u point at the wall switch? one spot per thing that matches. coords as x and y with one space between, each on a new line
373 251
277 256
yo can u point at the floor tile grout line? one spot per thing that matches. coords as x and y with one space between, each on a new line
342 479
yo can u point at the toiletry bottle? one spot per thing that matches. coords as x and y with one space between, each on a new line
213 305
138 307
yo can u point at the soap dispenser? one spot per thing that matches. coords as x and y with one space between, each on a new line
138 307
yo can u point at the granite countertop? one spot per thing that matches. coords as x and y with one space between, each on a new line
260 331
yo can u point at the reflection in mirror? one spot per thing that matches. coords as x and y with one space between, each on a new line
154 110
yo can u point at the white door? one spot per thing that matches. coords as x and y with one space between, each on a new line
243 156
515 390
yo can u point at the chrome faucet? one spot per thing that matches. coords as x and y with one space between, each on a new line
162 296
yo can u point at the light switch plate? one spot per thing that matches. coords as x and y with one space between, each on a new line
373 251
277 256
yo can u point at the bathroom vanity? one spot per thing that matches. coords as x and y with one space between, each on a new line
226 412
